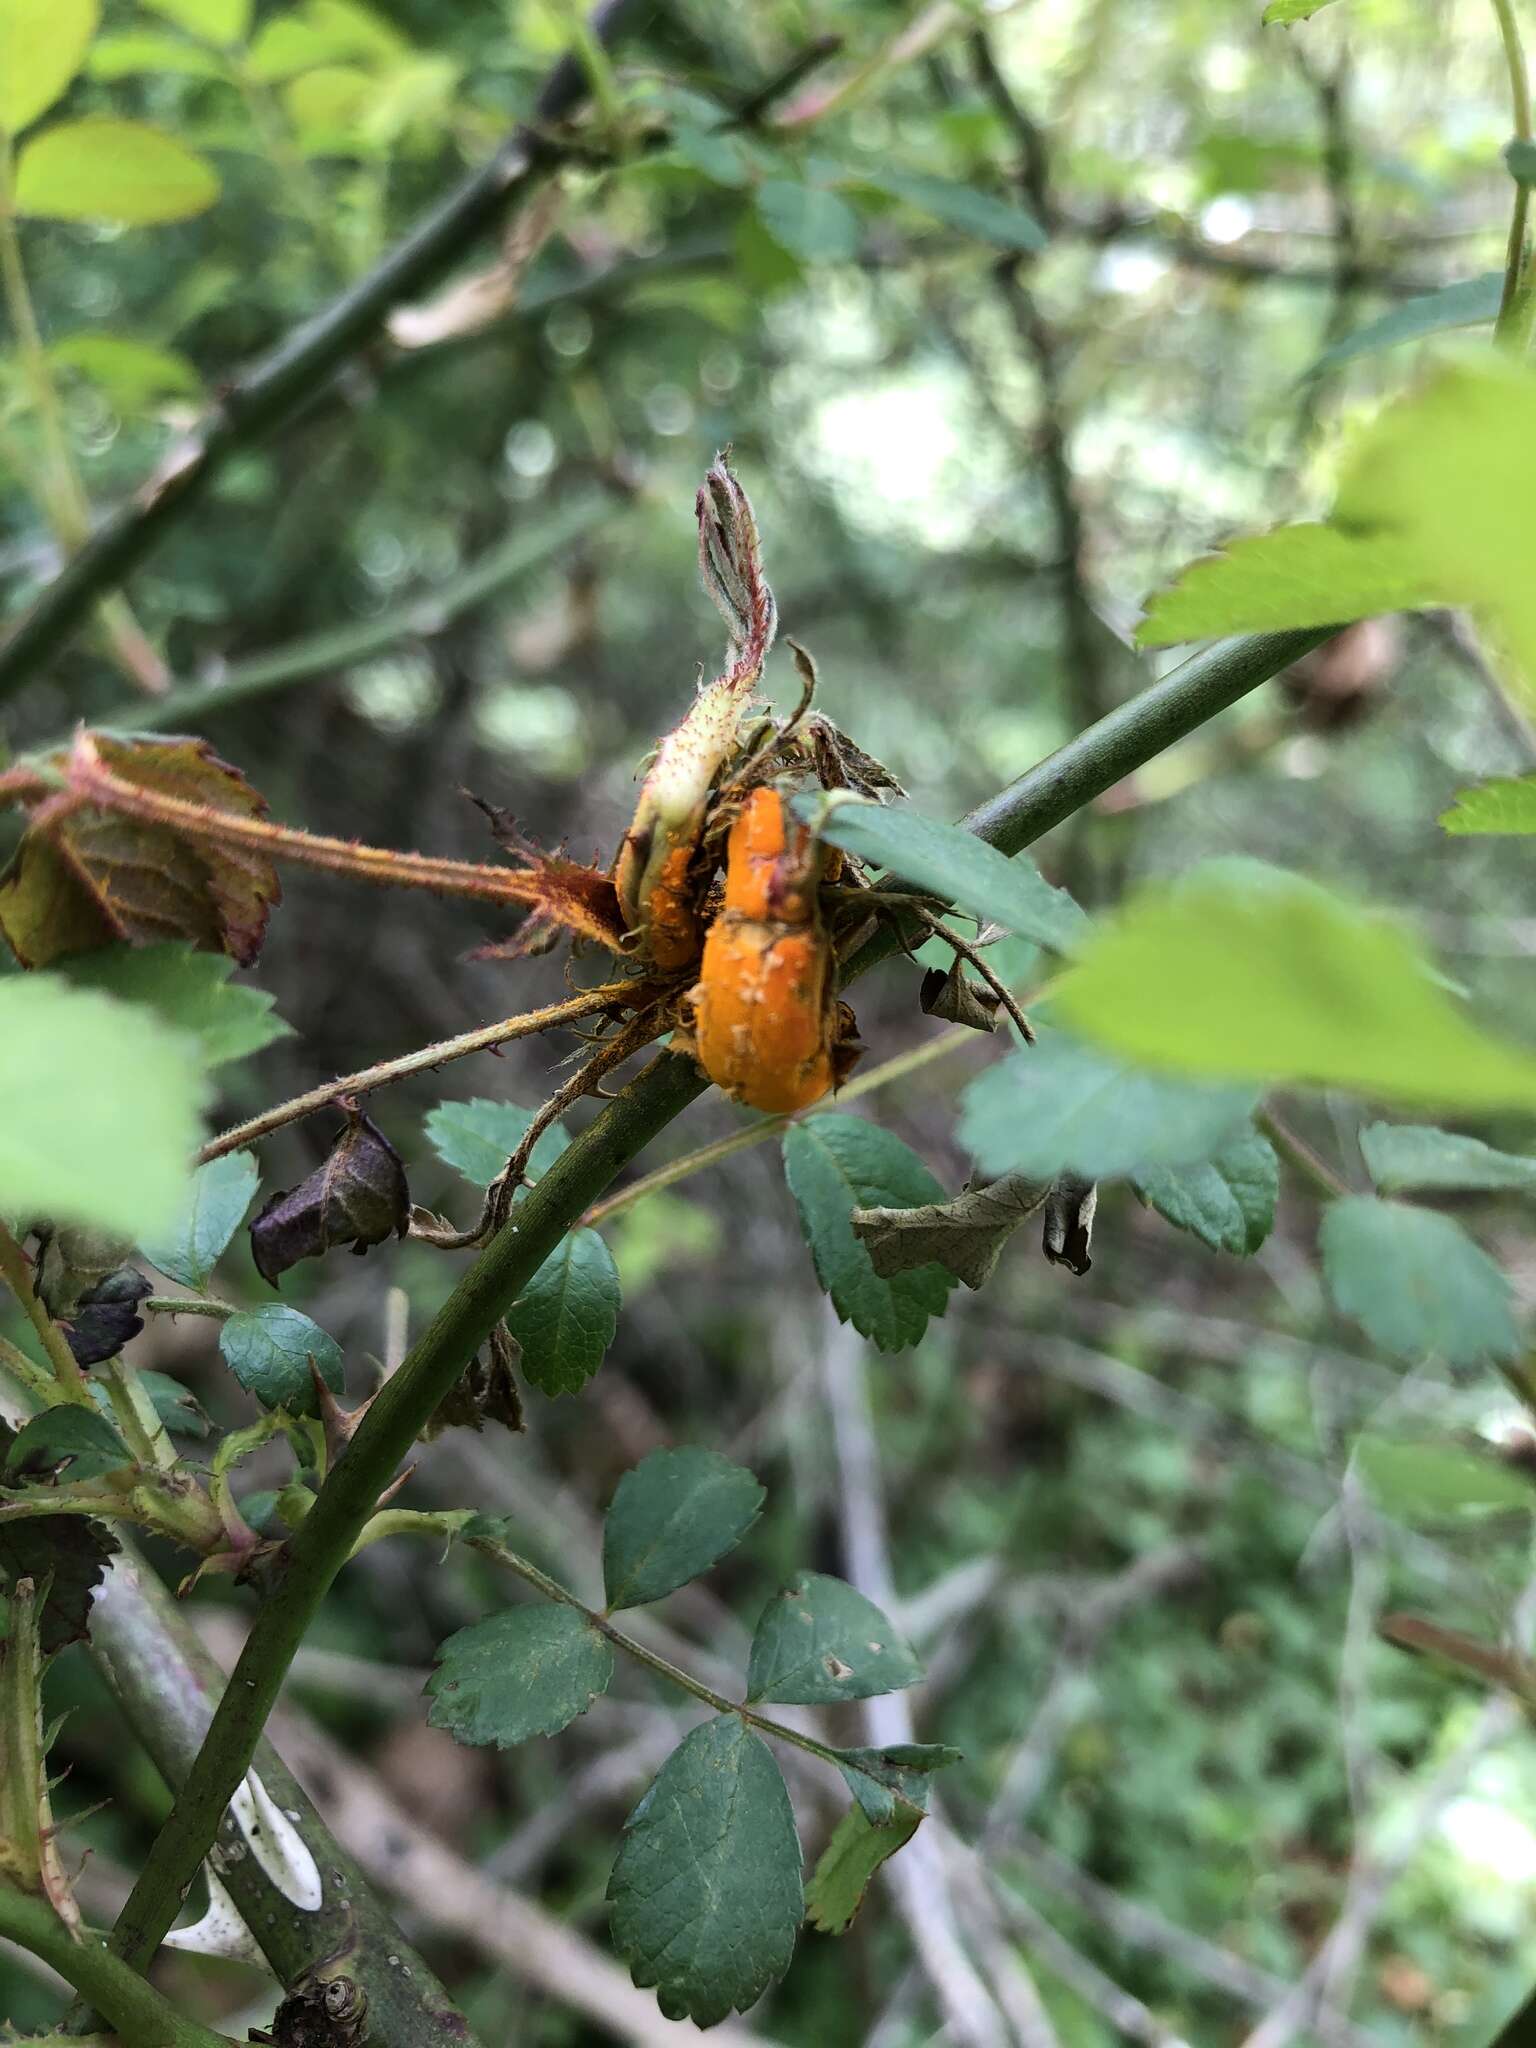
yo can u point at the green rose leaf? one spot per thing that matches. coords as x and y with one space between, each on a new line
1419 1482
953 864
528 1671
215 1207
1063 1107
566 1316
42 46
677 1513
268 1350
820 1641
1504 806
812 224
1227 1201
103 169
983 215
855 1852
79 1440
98 1107
479 1137
1305 575
1246 971
1416 1283
1402 1156
189 990
221 22
706 1892
834 1165
1467 304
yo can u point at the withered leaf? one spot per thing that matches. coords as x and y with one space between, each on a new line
1068 1234
358 1197
564 896
69 1553
842 764
107 1317
84 877
487 1392
966 1234
958 999
73 1261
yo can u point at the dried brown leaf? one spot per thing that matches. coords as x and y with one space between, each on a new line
358 1197
966 1235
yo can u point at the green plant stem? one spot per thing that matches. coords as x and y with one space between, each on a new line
189 1305
141 2016
30 1377
288 376
1097 759
674 1674
1518 303
1299 1154
422 616
16 1272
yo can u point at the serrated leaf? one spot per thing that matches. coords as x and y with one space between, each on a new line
268 1350
140 52
1415 1482
191 991
290 43
68 1442
68 1553
478 1137
677 1513
1467 304
1064 1107
84 878
812 224
1442 475
131 373
855 1852
220 22
834 1165
42 45
357 1196
103 169
1504 806
215 1207
1227 1201
1401 1156
528 1671
566 1316
819 1641
983 215
176 1408
952 864
706 1892
1306 575
966 1235
1416 1283
885 1780
98 1108
1242 970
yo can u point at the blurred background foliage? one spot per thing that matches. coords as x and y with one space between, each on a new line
1121 1518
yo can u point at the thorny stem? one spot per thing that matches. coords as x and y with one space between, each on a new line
189 1305
383 1072
16 1272
1089 764
674 1674
1518 303
141 2016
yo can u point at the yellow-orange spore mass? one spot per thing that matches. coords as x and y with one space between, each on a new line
764 1010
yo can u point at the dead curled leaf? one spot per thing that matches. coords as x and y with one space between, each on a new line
84 876
1069 1211
486 1392
358 1197
966 1234
958 999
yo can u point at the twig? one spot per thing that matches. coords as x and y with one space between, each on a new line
526 1025
750 111
289 374
917 1876
974 957
1087 765
16 1274
1309 1164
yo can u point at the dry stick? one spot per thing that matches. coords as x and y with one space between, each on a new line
1089 764
380 1075
286 377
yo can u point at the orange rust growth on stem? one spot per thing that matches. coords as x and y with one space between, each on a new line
768 1028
